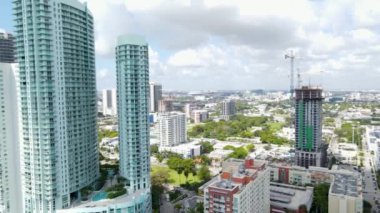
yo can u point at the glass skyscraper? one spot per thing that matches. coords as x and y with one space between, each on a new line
132 70
59 150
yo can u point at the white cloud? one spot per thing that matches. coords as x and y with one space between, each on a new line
199 44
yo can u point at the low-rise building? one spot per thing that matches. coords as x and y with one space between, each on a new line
345 194
187 150
286 198
217 156
345 153
297 175
243 186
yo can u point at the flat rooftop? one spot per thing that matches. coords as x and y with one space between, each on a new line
345 185
290 197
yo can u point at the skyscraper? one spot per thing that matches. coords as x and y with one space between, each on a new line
7 48
132 70
308 123
59 149
109 102
155 96
10 191
228 109
172 128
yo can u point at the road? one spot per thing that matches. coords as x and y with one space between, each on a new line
370 188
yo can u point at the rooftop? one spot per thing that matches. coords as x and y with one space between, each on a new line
121 200
345 185
290 197
131 39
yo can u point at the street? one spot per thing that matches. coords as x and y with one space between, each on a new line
370 188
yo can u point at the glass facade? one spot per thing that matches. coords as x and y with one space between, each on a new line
132 69
55 52
7 49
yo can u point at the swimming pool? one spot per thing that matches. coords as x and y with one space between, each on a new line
99 196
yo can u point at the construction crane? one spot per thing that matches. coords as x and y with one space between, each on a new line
299 80
291 57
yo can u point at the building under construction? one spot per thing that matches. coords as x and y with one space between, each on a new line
308 123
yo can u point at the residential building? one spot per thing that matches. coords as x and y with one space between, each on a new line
132 69
345 194
286 198
200 116
172 128
228 109
309 145
243 186
7 48
298 175
217 156
58 102
345 152
10 177
187 150
188 110
109 102
165 106
155 94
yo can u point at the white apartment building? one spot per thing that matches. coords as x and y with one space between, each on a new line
172 128
187 150
109 105
10 190
345 194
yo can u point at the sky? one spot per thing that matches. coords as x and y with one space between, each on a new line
240 44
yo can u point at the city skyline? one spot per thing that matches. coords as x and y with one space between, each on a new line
338 38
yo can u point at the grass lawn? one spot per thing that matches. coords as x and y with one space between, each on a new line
176 179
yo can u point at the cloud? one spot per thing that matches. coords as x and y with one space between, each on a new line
238 44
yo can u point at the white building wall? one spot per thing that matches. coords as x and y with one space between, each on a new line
172 128
256 195
109 105
10 183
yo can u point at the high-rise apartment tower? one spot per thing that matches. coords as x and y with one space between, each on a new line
10 190
132 69
59 149
155 96
7 48
172 128
109 102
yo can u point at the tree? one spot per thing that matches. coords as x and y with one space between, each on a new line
206 147
160 177
250 147
204 173
154 149
321 197
178 206
188 167
199 207
205 160
239 153
229 147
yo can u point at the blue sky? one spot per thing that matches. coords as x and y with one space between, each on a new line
239 44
